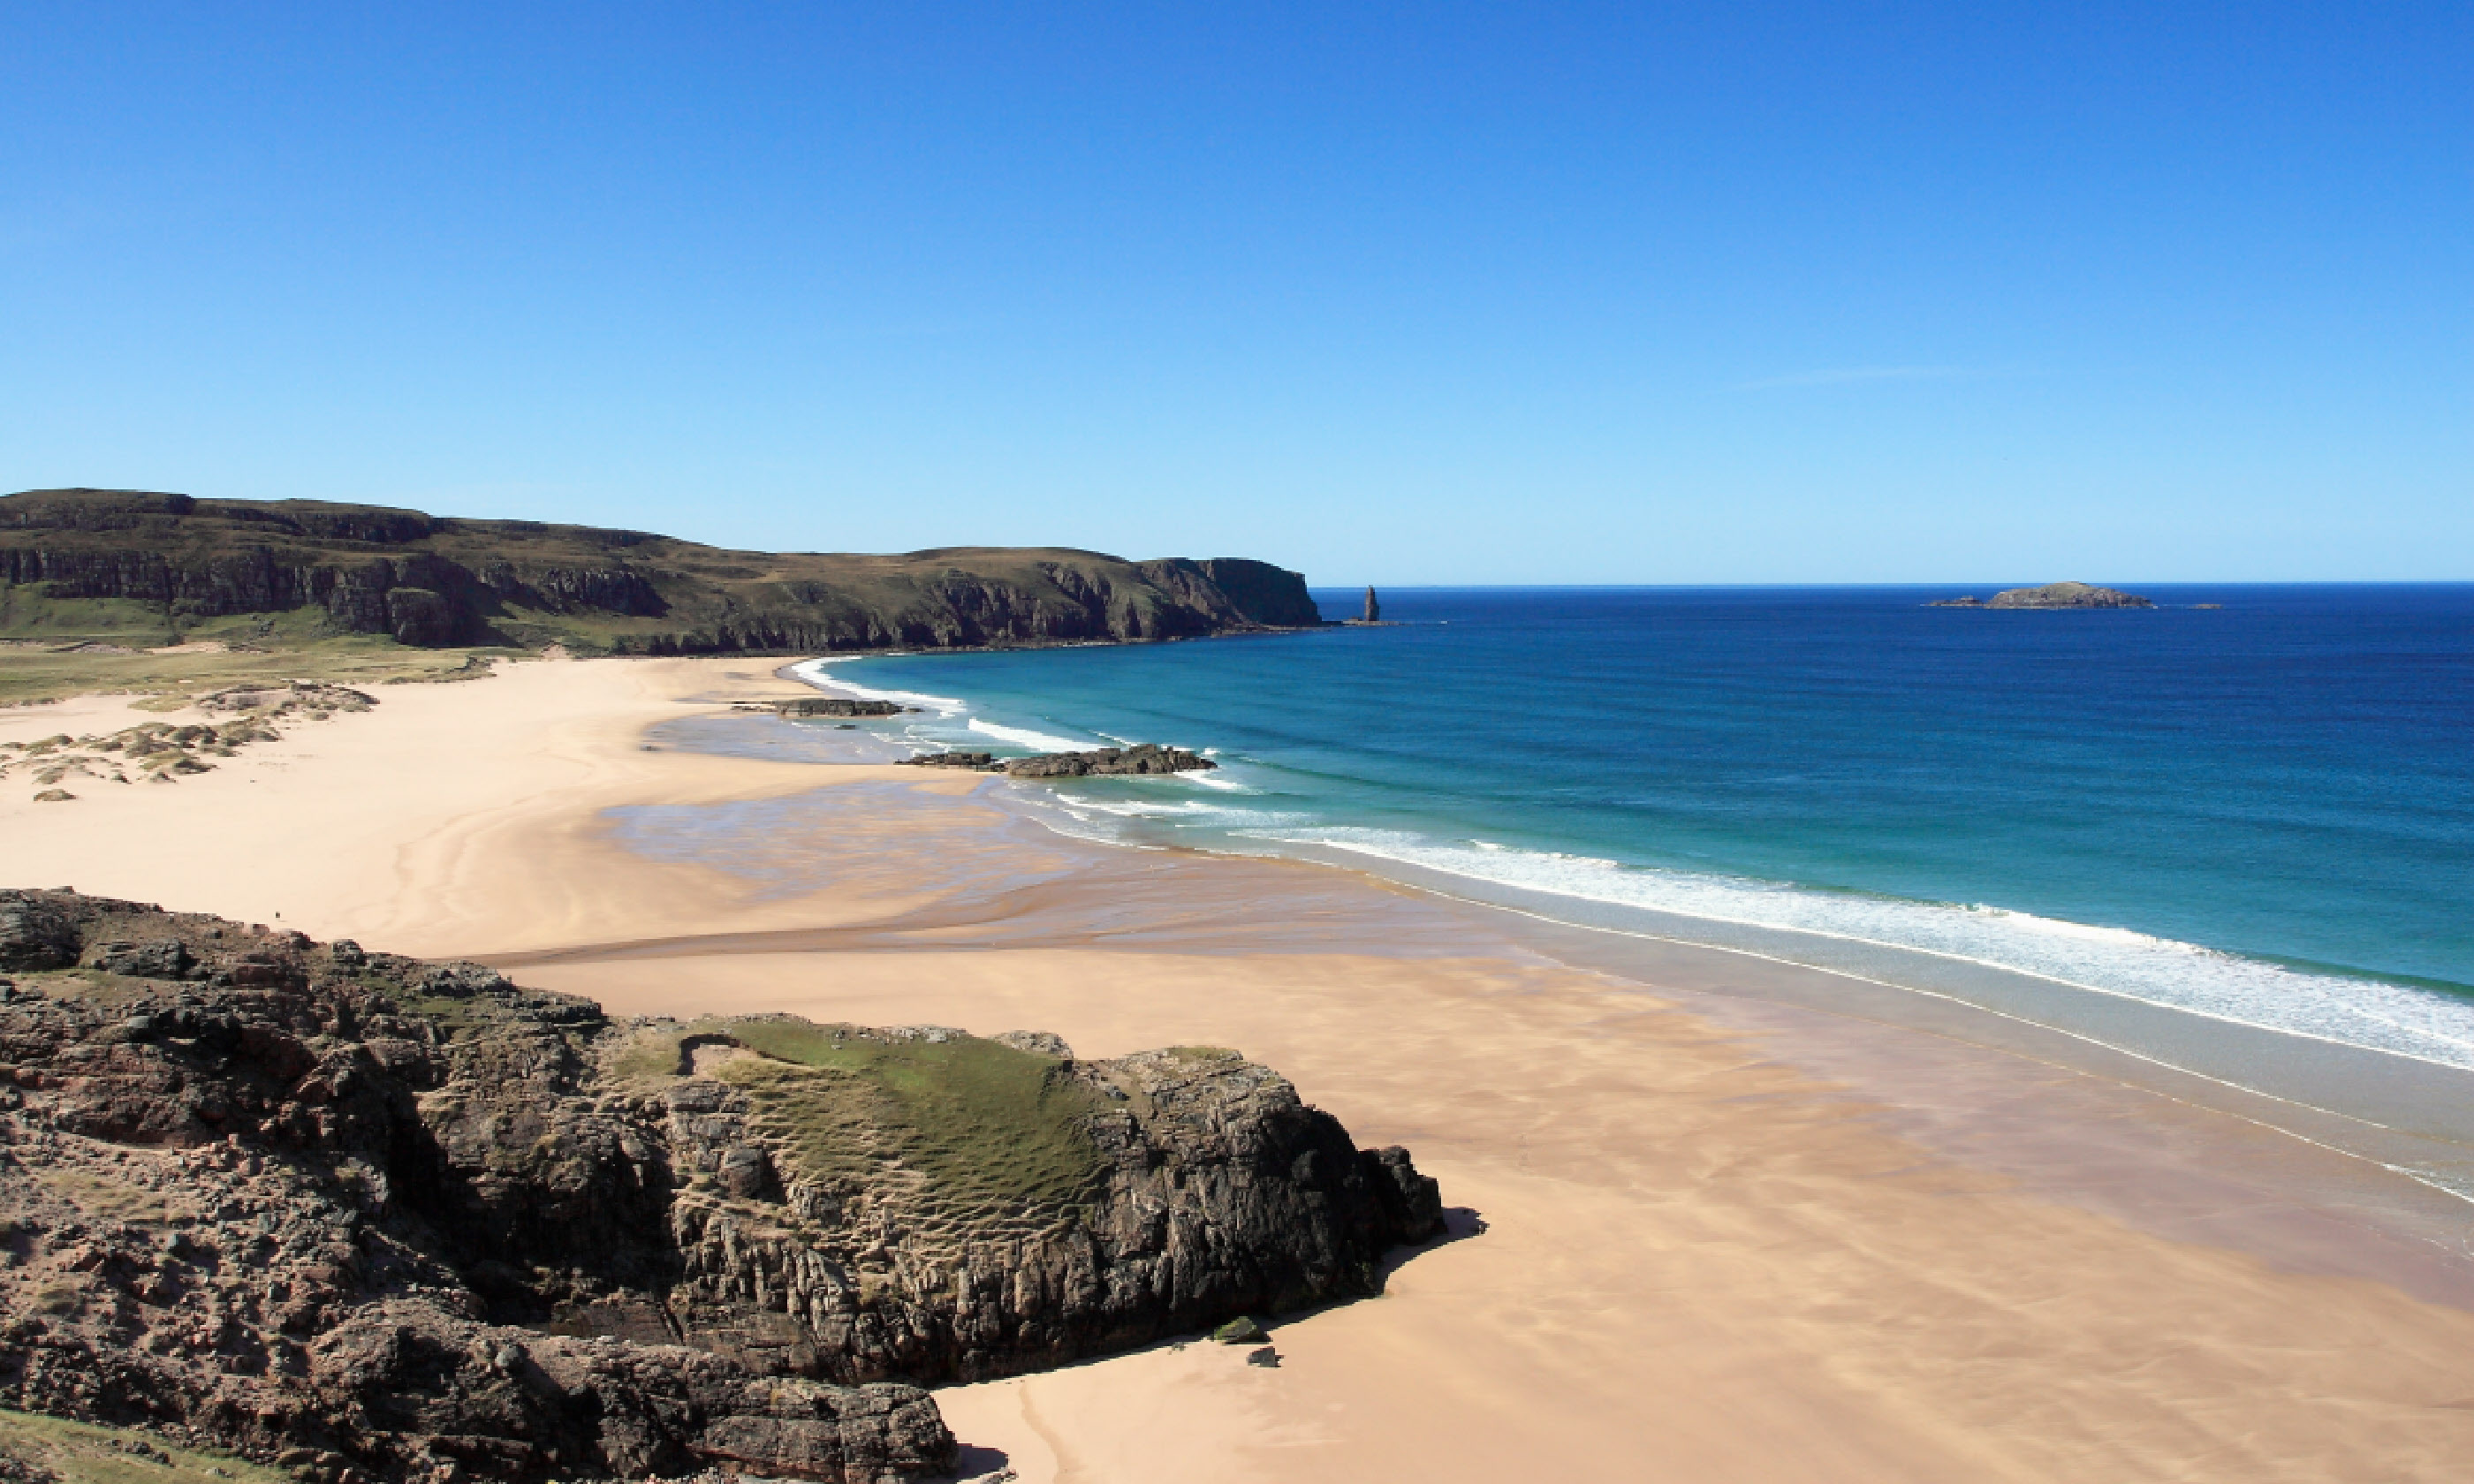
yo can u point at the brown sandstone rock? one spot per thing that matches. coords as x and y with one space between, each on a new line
371 1218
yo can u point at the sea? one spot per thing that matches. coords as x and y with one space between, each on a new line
2231 836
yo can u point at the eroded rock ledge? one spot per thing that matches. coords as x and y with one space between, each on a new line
371 1218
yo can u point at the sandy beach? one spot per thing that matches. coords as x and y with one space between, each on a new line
1699 1235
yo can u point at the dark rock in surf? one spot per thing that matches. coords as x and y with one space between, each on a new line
1142 758
1145 757
977 762
824 705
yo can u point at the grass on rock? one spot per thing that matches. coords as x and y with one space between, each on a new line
984 1132
76 1453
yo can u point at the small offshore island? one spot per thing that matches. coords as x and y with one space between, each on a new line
2051 595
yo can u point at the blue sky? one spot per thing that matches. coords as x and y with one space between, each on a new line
1416 293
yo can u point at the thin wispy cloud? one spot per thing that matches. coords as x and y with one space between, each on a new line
1845 376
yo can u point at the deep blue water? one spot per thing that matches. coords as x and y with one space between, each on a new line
2239 811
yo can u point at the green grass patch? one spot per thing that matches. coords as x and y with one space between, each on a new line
39 672
79 1454
992 1134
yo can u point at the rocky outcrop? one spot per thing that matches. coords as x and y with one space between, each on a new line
370 1218
2053 596
974 762
428 581
1143 757
824 705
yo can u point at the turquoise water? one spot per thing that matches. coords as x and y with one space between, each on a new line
2261 815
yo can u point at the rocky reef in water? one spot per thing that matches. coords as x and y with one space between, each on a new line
824 705
95 562
2051 595
369 1218
1142 758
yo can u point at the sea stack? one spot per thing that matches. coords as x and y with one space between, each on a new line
1373 609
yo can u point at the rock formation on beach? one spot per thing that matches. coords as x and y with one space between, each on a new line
2053 596
1143 757
105 560
370 1218
824 705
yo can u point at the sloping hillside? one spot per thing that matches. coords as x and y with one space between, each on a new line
152 568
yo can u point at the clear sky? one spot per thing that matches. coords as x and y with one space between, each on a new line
1412 293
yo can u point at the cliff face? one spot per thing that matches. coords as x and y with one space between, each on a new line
171 561
371 1218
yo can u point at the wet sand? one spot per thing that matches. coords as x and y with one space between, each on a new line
1707 1232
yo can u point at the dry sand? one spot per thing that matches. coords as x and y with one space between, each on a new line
1700 1241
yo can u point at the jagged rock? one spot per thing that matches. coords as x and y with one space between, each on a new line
371 1218
36 933
1143 757
977 762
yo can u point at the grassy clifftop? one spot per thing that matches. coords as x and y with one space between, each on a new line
146 569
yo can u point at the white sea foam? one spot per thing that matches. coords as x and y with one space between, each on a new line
2110 961
1024 736
2106 960
1211 780
816 673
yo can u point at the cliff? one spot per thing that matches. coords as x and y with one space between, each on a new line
369 1218
92 562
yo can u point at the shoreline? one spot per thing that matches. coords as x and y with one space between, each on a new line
1725 1238
2405 1112
1804 1009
